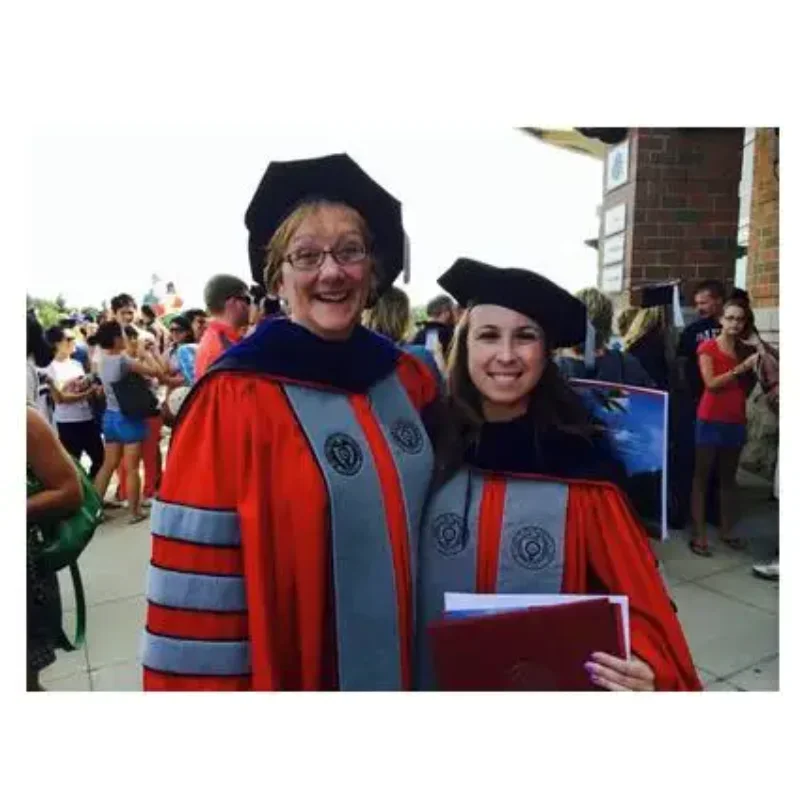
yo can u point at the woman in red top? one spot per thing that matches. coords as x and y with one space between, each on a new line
721 422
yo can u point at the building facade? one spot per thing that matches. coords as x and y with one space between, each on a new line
689 204
686 204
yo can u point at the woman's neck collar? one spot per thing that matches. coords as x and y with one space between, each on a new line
324 336
494 412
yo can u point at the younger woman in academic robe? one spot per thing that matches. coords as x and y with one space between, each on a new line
525 497
285 536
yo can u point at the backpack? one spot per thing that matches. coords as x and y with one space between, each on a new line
60 543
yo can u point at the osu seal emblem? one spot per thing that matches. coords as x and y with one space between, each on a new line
533 548
449 534
408 436
343 453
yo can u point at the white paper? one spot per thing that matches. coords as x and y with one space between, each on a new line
460 601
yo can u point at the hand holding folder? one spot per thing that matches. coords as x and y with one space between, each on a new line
534 649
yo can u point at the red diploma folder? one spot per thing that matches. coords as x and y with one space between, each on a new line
536 649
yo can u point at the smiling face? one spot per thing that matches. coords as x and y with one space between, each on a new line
327 300
506 357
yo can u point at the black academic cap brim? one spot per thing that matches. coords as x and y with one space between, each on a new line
337 178
653 295
562 316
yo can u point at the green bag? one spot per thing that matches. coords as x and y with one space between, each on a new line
61 542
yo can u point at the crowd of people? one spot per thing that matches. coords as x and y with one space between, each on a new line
333 469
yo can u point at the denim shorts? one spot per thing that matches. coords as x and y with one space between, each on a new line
720 434
117 428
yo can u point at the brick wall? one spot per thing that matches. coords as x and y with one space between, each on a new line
685 205
763 244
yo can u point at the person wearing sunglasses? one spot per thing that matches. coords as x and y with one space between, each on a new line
284 536
72 389
228 301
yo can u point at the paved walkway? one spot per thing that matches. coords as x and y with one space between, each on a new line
729 616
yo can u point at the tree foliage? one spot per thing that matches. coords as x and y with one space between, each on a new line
50 312
418 314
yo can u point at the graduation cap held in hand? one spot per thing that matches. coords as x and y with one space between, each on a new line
654 295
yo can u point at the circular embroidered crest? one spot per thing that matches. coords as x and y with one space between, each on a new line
343 454
533 548
449 534
408 436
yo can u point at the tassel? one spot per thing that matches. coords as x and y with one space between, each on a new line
406 258
432 340
677 311
589 344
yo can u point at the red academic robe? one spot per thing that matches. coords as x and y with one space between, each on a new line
239 447
606 551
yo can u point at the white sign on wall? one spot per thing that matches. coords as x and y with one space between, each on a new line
617 165
611 278
614 220
614 249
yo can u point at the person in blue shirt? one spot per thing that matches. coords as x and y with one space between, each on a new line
611 365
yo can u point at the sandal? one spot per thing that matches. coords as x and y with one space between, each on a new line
735 543
700 549
137 518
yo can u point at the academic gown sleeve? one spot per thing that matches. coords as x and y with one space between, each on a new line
196 635
607 552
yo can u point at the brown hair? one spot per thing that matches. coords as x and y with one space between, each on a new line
742 350
749 317
217 292
391 315
553 405
279 243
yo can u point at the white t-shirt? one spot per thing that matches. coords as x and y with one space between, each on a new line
61 373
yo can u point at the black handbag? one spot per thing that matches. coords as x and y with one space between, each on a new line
134 397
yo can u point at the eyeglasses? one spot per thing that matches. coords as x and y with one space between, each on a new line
308 259
176 330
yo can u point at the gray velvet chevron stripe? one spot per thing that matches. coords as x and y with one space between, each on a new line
368 638
531 557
